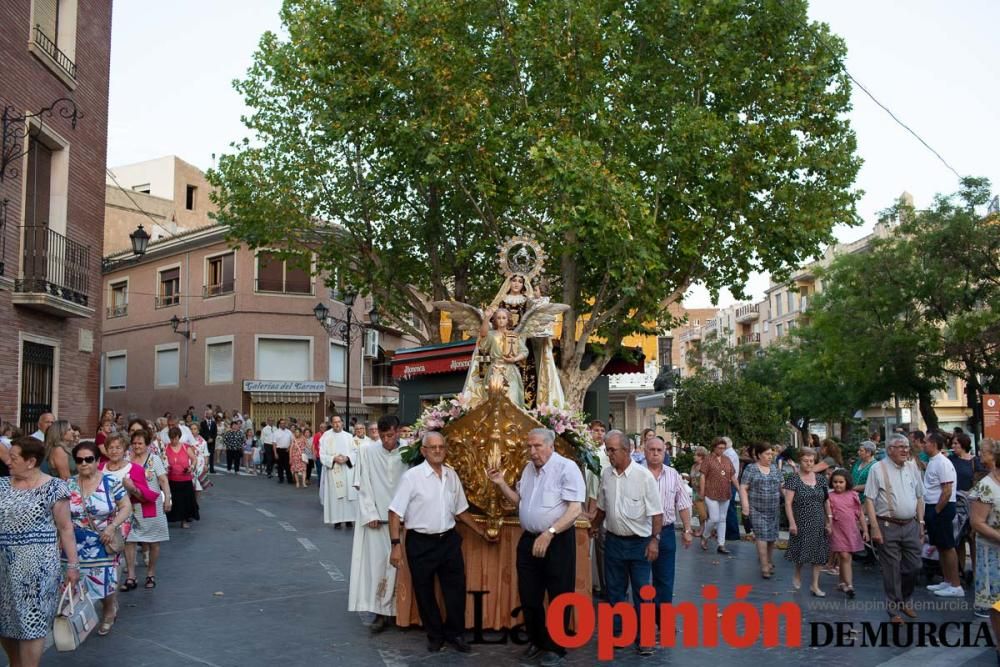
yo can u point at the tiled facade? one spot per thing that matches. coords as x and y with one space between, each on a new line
53 207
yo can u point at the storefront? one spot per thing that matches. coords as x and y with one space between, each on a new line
267 399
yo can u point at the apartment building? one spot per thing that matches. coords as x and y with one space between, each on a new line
196 321
166 195
54 102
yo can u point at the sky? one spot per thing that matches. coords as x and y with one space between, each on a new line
932 63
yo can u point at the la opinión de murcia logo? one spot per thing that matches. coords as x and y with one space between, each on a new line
738 624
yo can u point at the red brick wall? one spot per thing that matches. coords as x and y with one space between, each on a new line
28 85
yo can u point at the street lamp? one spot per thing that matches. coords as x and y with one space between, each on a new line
140 242
347 329
176 322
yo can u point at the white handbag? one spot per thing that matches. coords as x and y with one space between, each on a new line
75 618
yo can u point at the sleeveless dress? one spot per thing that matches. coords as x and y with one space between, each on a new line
846 510
764 494
29 559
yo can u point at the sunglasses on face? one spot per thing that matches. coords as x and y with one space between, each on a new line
84 459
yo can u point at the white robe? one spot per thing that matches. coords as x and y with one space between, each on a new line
340 499
373 579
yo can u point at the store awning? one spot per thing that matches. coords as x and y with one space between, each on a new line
433 359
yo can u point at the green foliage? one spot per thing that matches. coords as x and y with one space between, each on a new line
683 462
648 144
706 407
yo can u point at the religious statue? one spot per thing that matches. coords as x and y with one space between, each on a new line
514 335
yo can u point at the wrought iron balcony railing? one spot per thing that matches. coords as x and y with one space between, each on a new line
120 310
54 52
226 287
54 265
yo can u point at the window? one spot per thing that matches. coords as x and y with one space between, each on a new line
338 362
118 299
952 388
288 359
767 326
219 360
54 36
791 301
116 370
777 303
189 197
168 364
170 288
285 276
777 331
219 274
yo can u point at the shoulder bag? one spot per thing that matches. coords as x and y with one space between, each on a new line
75 618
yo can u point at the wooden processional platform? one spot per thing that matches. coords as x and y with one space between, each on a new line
491 567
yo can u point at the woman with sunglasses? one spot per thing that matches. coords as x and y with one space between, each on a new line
99 508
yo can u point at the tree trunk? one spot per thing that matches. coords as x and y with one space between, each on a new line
927 409
576 382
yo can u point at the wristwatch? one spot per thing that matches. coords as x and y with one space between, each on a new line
552 530
396 541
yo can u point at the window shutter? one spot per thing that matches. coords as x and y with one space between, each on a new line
220 362
117 371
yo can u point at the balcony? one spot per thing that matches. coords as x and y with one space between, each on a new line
209 291
276 286
381 395
711 328
44 44
691 335
747 313
56 274
119 310
166 300
749 339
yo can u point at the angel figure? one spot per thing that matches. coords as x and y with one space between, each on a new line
500 346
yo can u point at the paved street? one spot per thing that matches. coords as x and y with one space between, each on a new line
260 581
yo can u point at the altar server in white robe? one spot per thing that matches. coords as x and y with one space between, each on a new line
337 454
376 476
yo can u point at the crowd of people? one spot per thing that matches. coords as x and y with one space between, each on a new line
81 512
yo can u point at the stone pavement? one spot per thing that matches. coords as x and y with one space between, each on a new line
261 581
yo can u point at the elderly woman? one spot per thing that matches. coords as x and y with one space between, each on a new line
861 467
718 478
809 520
985 518
700 453
153 529
760 498
59 442
99 507
181 460
34 521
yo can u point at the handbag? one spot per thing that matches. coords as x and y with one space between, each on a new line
75 618
117 543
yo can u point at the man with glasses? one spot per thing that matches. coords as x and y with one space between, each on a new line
894 504
429 499
630 502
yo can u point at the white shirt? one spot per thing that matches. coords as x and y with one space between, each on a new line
427 503
267 435
38 435
904 481
734 458
629 500
674 493
186 436
939 471
282 438
545 491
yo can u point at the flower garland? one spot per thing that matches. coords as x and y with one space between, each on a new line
571 426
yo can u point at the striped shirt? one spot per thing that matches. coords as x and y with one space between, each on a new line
672 492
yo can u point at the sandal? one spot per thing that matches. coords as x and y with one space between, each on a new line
105 628
129 585
150 582
704 544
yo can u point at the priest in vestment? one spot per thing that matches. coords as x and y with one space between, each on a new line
337 454
376 475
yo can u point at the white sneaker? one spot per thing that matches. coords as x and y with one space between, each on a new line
939 586
950 591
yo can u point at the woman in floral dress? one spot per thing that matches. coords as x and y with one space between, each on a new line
809 520
985 518
98 506
295 456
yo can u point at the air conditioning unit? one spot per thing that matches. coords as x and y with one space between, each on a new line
371 344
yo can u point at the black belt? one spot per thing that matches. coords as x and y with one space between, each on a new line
628 537
892 520
434 536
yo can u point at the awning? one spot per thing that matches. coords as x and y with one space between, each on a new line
658 399
283 397
433 359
